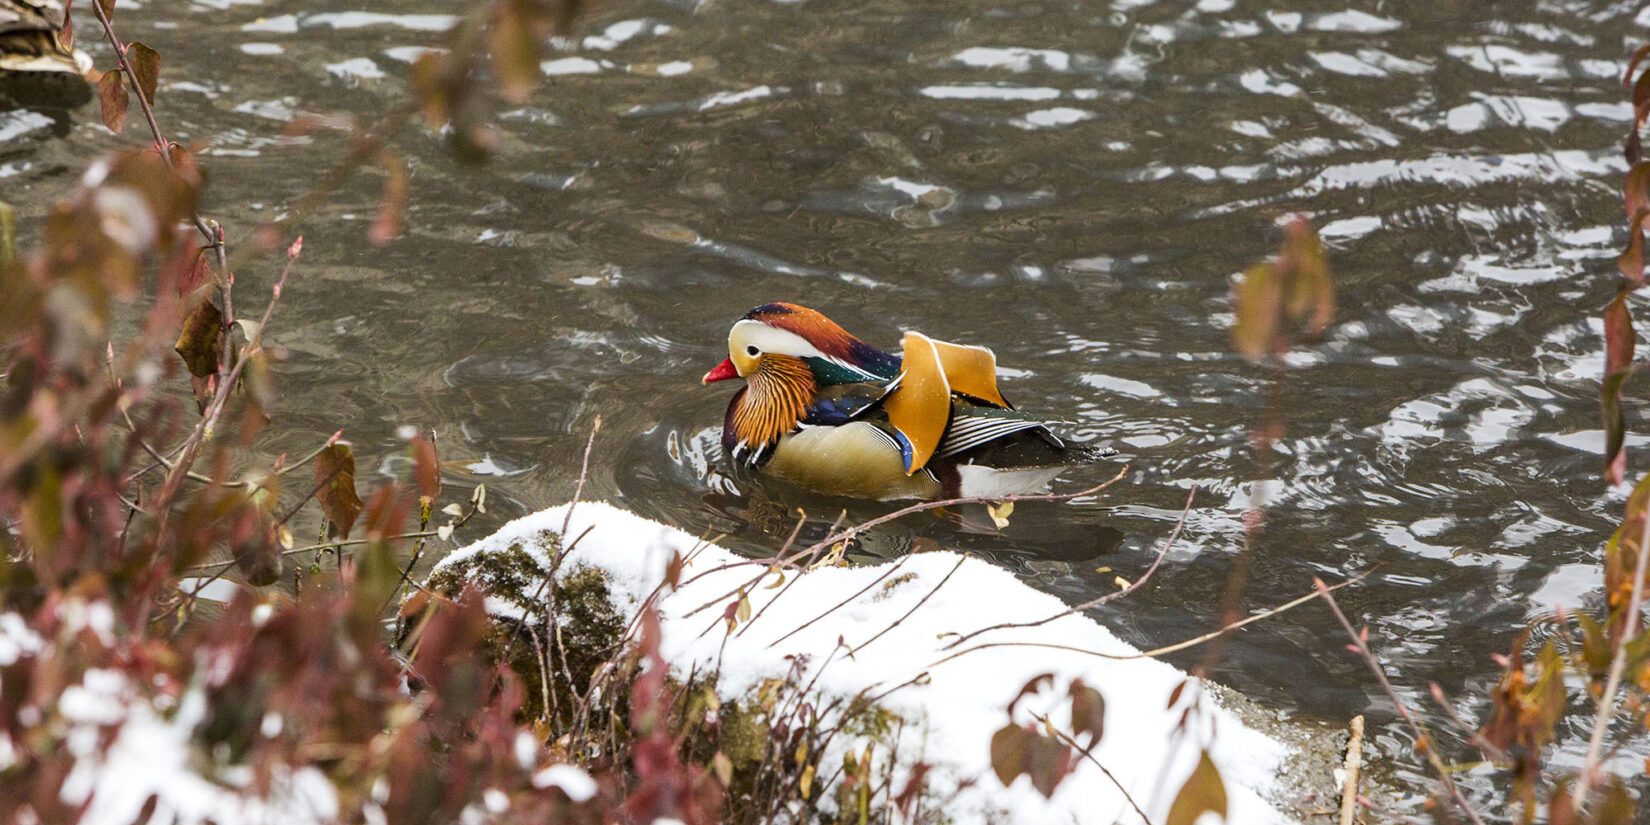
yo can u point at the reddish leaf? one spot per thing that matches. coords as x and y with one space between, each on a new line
199 272
1641 100
253 543
108 7
145 63
200 341
1631 262
335 478
386 226
1174 695
1636 190
426 468
1638 55
1619 338
1034 684
1049 762
112 90
1088 711
65 35
1203 792
203 387
673 569
1620 341
1635 149
913 789
183 162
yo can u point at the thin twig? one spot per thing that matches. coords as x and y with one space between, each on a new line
1353 764
1423 741
1093 603
1618 668
161 144
847 534
874 582
951 502
191 445
1178 646
920 603
1088 753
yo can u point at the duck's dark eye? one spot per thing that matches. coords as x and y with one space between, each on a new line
753 351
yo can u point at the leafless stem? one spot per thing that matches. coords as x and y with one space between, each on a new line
1618 668
1093 603
1353 764
920 603
1423 741
1152 654
951 502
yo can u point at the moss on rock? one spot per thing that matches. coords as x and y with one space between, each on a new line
590 628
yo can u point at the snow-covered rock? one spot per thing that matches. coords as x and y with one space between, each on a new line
887 631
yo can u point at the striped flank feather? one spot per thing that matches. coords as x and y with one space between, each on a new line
968 432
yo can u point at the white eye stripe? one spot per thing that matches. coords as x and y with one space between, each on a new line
748 333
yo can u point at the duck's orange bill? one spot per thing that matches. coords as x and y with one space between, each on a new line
722 372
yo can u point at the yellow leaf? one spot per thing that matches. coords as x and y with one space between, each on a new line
1203 792
1000 511
723 766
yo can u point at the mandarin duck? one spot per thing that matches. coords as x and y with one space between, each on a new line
825 410
36 48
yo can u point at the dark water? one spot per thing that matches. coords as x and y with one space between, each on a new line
1073 184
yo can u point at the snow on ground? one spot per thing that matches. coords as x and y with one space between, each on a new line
150 755
898 629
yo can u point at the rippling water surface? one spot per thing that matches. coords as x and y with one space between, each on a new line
1073 184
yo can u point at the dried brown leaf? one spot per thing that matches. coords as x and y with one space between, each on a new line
335 476
1048 763
111 90
426 468
1635 189
1638 55
1010 752
145 63
201 339
1631 262
1088 711
1620 341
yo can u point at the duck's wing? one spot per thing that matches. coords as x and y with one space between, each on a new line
975 427
839 404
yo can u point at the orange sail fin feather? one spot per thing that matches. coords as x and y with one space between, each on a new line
920 407
971 371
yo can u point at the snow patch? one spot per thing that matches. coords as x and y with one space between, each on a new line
953 704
